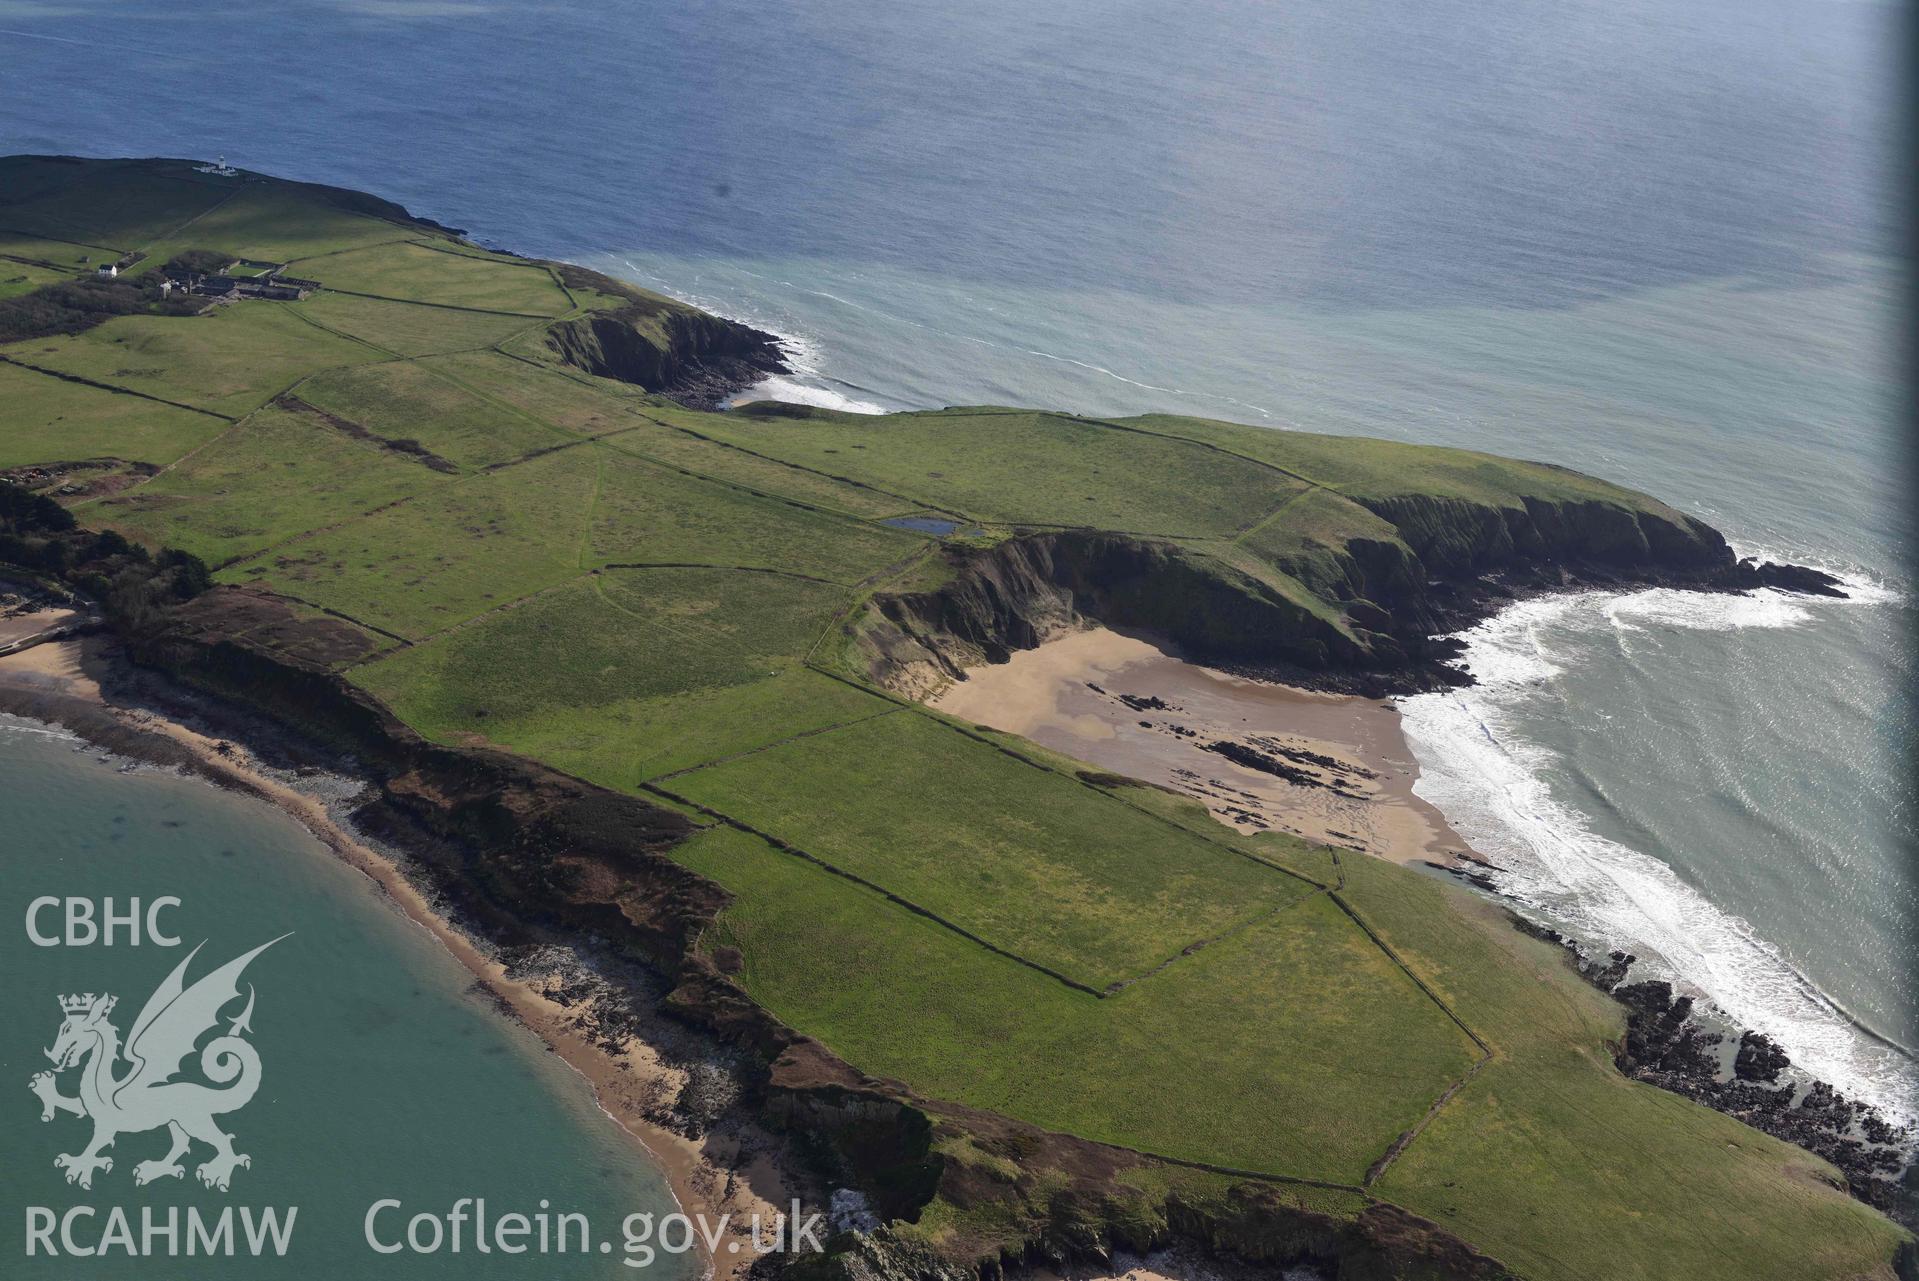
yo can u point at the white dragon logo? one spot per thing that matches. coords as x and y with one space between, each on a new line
146 1098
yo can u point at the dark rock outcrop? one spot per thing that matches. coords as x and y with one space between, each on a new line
1384 610
1759 1059
1666 1046
692 357
516 850
1020 592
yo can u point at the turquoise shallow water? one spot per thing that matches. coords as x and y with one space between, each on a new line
1651 241
383 1074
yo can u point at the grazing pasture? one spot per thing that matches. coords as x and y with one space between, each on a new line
230 361
446 278
671 603
1293 1048
626 674
1019 467
49 420
1032 862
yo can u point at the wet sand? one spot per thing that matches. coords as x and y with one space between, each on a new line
706 1176
1330 768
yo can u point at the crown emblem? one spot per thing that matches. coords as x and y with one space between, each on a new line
80 1004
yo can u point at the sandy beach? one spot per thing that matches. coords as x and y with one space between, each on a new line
27 621
630 1079
1330 768
18 629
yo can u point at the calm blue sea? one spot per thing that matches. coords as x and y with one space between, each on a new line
383 1075
1648 239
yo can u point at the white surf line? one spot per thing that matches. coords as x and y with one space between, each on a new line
799 351
1491 784
987 342
791 391
15 725
1864 586
35 35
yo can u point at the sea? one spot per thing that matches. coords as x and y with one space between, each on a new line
1655 241
389 1085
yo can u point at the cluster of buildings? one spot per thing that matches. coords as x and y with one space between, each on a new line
244 278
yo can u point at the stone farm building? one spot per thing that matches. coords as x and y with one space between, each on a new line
245 278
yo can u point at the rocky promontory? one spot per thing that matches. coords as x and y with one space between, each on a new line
666 347
1376 615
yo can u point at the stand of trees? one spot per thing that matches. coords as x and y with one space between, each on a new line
71 306
132 586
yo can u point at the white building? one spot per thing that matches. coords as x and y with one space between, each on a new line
109 269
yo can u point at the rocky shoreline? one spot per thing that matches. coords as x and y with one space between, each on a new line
700 360
525 857
677 1092
523 864
741 1070
1669 1046
1402 621
1000 600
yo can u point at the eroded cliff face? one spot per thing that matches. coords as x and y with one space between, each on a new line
519 849
697 359
1364 615
1025 590
1039 1200
1454 536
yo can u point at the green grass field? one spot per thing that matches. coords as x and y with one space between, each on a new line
1033 862
409 400
23 278
493 538
1312 526
410 329
578 403
230 361
65 256
1671 1189
627 674
1364 467
669 603
280 473
1293 1047
653 438
417 273
50 420
278 224
97 203
1016 467
62 256
456 551
647 513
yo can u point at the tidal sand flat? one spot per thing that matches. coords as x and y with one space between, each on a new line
1332 769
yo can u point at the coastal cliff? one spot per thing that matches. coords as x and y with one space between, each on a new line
666 347
522 855
1373 615
617 676
525 854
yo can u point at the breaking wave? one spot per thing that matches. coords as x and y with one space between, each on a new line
805 385
795 392
1483 771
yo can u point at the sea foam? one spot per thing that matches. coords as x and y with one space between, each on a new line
796 392
1480 769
